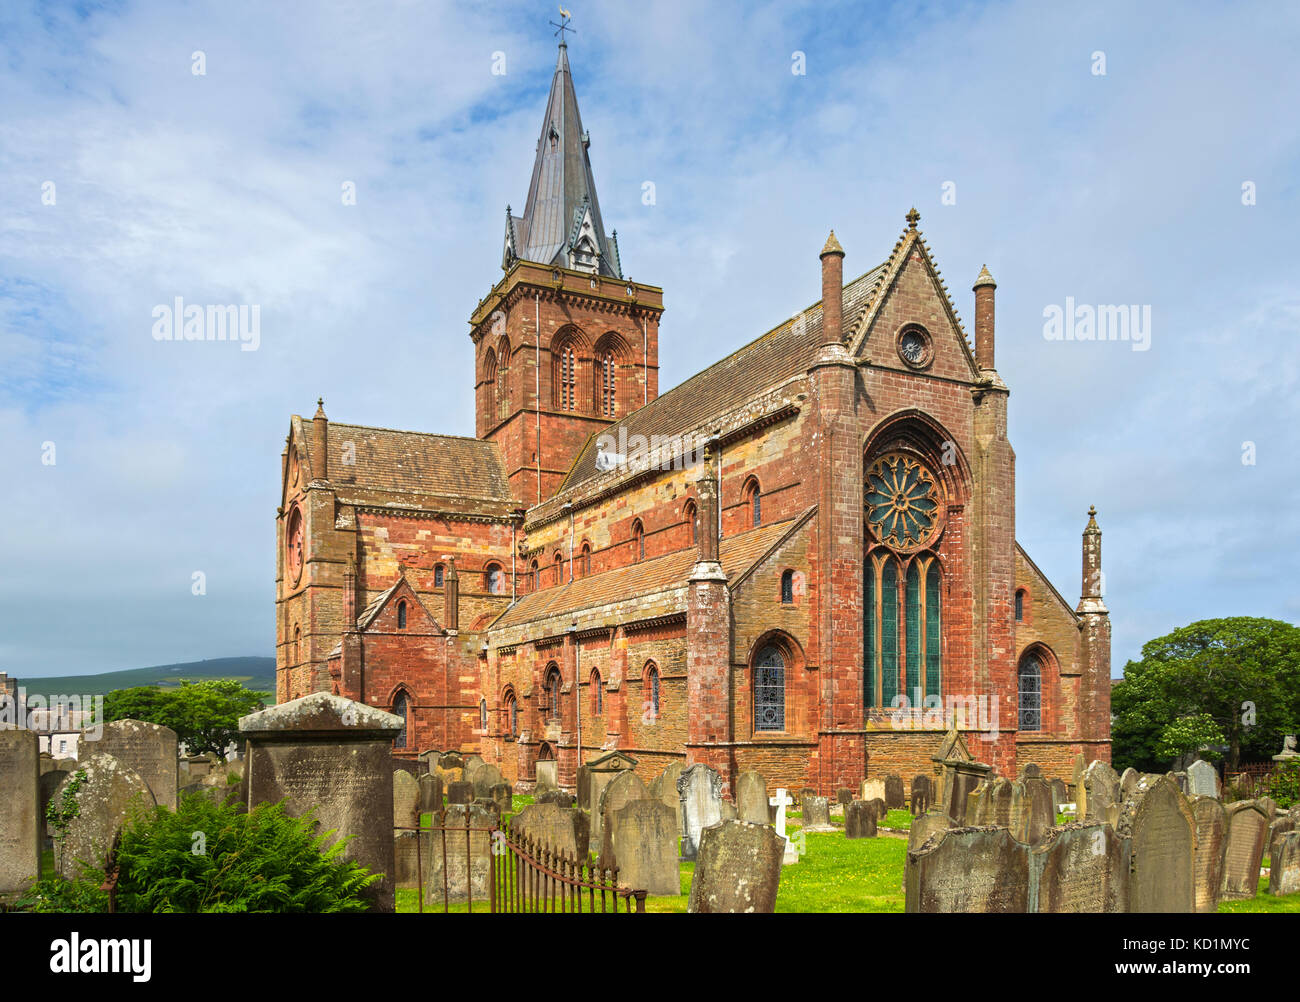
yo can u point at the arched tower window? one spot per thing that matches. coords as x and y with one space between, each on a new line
1031 692
690 512
532 576
566 379
496 580
787 588
502 388
400 710
597 695
1020 606
651 690
439 576
584 560
401 615
638 541
482 715
607 374
552 692
769 689
753 496
511 706
559 567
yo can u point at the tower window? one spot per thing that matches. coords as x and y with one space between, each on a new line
532 576
787 588
608 385
638 541
496 581
482 715
552 692
691 513
597 695
753 500
1020 606
652 690
584 561
399 709
559 567
401 615
439 576
568 379
512 712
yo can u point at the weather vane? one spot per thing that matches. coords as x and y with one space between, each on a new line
561 28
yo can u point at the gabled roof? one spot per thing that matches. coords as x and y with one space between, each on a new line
562 181
373 610
784 351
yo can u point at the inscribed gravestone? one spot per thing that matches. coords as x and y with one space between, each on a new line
430 794
872 789
463 867
1102 785
1060 793
560 829
460 793
484 778
807 791
1279 826
1210 831
21 814
994 806
547 776
878 808
1032 812
739 869
406 800
894 798
624 788
751 798
600 773
1080 867
106 794
859 820
583 791
844 796
149 749
1284 871
406 859
643 840
699 791
816 815
959 782
1203 779
1269 806
334 755
930 823
1078 789
557 798
921 796
1163 850
1128 781
450 768
1244 844
503 794
968 870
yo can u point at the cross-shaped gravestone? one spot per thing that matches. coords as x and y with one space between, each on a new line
781 801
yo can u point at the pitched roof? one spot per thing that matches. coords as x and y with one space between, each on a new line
779 354
660 576
412 462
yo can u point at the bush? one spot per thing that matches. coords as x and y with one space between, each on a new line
1283 785
206 857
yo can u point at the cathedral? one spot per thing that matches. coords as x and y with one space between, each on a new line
802 560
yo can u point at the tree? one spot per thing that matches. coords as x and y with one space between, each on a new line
205 715
1232 681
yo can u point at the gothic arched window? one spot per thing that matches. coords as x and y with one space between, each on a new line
690 512
597 695
401 615
532 576
769 689
482 715
567 381
439 576
552 692
584 561
1031 692
496 580
912 599
559 567
1020 605
399 709
608 377
512 712
787 588
638 541
651 690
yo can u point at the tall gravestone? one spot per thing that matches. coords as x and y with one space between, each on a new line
699 791
563 830
930 823
1210 830
1203 779
406 859
461 869
21 818
460 793
1247 827
430 793
817 815
859 820
1284 869
994 806
151 750
1162 830
1128 780
921 795
894 797
1033 813
751 798
106 795
738 869
642 836
406 799
872 789
624 788
600 773
484 778
1080 867
968 870
663 788
547 776
330 754
1102 785
1060 794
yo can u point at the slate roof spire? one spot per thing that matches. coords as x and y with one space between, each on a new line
561 223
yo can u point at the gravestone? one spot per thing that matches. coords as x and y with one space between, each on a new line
557 798
930 823
1128 780
894 799
1210 831
583 790
1162 868
430 793
406 859
921 795
1032 812
489 807
1080 867
968 870
1078 789
816 815
1060 794
21 810
150 750
484 778
1030 770
600 773
197 766
663 788
1280 825
624 788
960 780
1180 780
642 838
49 783
560 829
872 789
751 798
503 795
878 808
1243 850
463 866
779 805
460 793
450 768
844 796
1102 785
547 773
406 800
331 754
1284 869
1269 806
413 767
1203 779
738 869
859 820
107 794
807 791
699 790
472 762
993 806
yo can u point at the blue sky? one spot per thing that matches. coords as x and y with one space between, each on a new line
225 188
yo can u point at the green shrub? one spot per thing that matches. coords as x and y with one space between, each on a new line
1283 784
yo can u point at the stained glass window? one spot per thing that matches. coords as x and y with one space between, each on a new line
889 632
902 501
399 709
933 642
769 690
1031 694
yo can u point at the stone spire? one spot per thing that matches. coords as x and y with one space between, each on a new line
561 224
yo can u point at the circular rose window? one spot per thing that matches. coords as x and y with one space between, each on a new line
902 501
294 545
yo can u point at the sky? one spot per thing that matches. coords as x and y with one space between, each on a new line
1145 155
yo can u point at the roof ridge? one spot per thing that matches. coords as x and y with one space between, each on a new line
406 431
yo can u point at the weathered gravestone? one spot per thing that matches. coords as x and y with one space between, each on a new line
1279 826
1060 794
642 839
197 766
1203 779
1269 806
960 781
699 791
968 870
816 815
484 778
624 788
844 796
1210 830
894 798
751 798
21 812
430 794
1102 785
547 776
449 767
472 762
1243 849
872 789
600 773
97 800
562 830
503 795
727 811
460 793
406 859
878 808
1162 868
557 798
1030 770
406 800
1128 781
330 754
994 804
413 767
1032 812
1080 867
921 795
859 820
807 791
1284 869
930 823
582 791
149 749
663 788
1078 789
738 870
462 867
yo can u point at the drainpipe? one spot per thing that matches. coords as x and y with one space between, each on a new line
569 506
645 363
577 697
537 384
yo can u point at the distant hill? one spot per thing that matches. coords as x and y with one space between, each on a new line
255 673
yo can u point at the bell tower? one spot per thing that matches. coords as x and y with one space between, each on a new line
564 343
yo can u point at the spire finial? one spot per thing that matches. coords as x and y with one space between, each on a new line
832 246
563 26
913 217
320 407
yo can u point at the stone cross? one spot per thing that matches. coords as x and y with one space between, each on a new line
781 801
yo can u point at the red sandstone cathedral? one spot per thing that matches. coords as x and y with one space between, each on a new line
802 560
